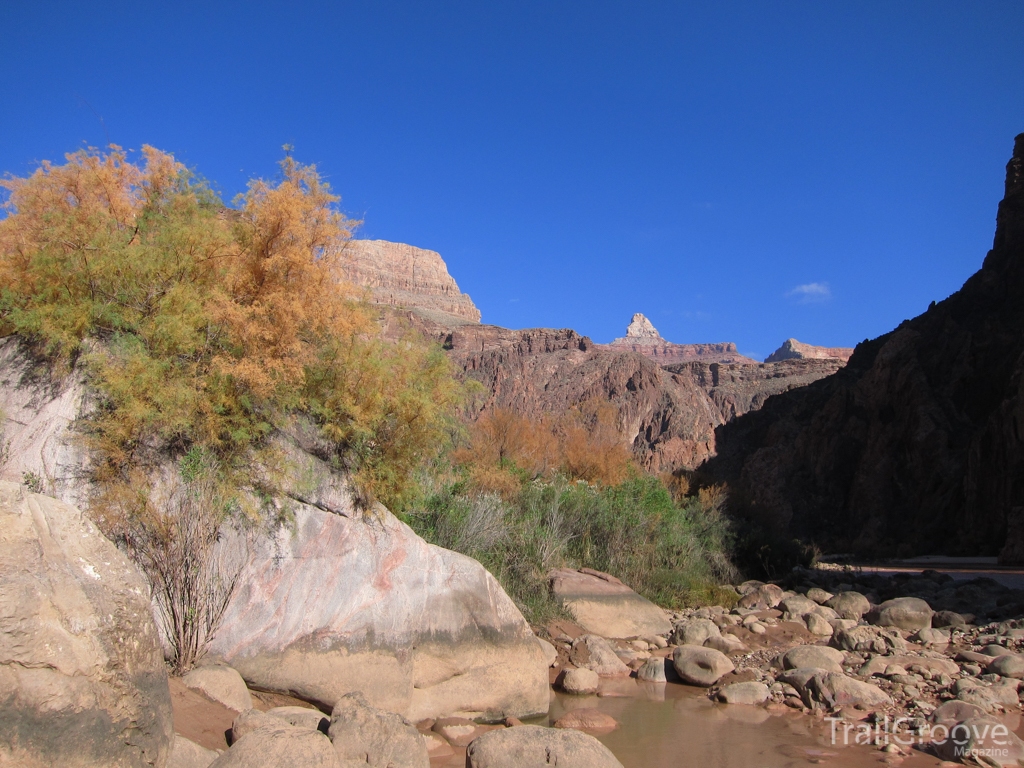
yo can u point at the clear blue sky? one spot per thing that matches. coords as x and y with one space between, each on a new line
737 171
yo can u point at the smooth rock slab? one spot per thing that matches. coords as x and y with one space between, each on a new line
531 746
342 601
587 719
82 676
603 605
222 684
701 666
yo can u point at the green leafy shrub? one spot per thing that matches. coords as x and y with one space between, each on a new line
674 555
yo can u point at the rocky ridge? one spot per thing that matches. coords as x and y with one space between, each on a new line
914 447
642 337
668 414
400 275
792 349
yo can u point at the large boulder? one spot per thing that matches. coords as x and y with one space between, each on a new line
375 738
813 656
602 604
188 754
82 677
341 601
983 740
871 639
280 746
849 605
694 632
907 613
221 684
533 745
828 690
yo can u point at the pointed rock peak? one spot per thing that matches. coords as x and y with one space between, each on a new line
641 328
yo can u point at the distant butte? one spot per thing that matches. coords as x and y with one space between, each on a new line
642 337
792 349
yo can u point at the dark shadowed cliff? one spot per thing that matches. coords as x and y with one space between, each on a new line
916 445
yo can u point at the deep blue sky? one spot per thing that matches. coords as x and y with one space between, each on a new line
575 163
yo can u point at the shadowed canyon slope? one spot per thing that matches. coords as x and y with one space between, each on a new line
915 446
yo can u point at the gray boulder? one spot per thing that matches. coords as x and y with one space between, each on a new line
819 595
813 656
871 639
829 690
744 693
761 597
983 740
375 738
907 613
1008 665
280 746
701 666
531 745
849 605
653 670
82 676
694 632
595 653
818 625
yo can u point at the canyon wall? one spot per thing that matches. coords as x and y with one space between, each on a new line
667 415
915 446
400 275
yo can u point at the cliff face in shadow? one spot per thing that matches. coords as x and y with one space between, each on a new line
915 446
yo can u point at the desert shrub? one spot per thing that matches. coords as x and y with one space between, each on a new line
674 555
504 448
201 325
203 329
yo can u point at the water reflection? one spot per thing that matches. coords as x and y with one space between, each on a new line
665 724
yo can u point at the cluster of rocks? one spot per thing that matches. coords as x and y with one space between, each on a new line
852 645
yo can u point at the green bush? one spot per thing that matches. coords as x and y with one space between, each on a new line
675 555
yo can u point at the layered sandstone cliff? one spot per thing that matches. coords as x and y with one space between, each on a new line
642 337
400 275
916 446
792 349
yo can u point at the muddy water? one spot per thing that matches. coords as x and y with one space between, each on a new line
666 725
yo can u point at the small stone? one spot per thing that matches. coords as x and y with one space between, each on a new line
758 628
818 625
